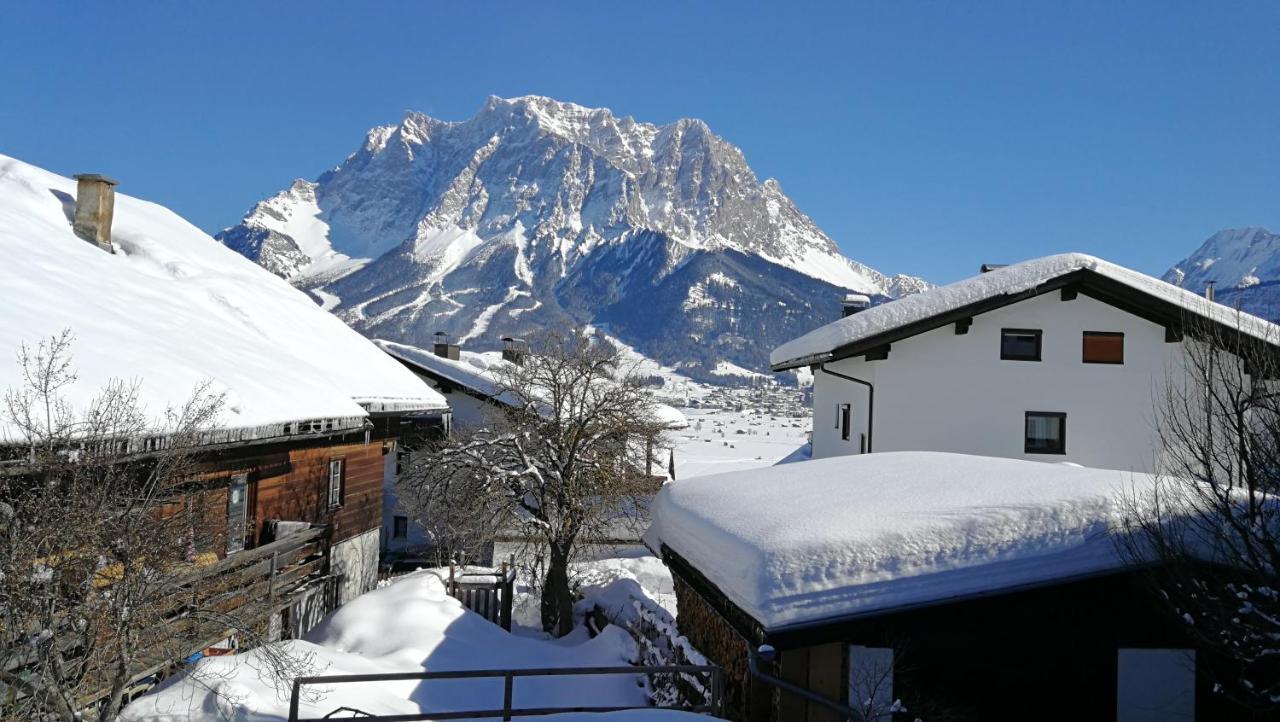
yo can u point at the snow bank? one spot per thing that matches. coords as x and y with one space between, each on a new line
410 625
1010 280
855 534
173 308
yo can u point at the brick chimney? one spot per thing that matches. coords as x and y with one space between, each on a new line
853 303
95 205
445 349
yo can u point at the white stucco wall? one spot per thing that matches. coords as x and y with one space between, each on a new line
356 559
940 391
416 538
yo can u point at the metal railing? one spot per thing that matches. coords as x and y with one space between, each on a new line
713 704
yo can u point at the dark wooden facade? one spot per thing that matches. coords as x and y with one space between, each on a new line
288 480
1046 653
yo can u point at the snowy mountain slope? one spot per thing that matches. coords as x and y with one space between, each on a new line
535 212
1244 265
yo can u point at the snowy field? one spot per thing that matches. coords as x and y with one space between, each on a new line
719 441
412 625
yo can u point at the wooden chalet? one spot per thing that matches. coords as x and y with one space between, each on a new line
293 471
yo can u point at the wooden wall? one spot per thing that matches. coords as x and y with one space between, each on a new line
289 481
1047 653
301 494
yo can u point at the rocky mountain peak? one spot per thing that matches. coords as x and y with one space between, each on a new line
512 218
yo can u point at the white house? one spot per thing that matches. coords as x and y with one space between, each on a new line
1063 358
471 382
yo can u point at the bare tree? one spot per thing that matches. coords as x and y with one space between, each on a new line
103 523
563 461
1212 523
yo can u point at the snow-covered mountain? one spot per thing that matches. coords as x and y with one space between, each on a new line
1243 263
535 212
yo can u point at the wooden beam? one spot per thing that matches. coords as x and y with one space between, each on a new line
1069 293
1172 334
878 353
962 326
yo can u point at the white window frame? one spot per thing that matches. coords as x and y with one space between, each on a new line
337 479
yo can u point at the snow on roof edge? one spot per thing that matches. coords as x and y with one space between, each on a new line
938 527
818 344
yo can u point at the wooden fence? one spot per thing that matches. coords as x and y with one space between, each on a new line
251 586
488 593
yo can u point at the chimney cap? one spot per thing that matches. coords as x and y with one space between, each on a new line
96 177
861 299
989 267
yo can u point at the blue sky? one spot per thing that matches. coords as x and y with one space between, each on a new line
924 137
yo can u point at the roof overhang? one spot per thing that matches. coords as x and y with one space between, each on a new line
1084 281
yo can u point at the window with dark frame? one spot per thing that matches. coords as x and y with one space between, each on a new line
1046 433
1020 344
1102 347
400 527
337 477
846 420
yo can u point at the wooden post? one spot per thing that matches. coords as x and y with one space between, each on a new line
453 589
508 591
271 583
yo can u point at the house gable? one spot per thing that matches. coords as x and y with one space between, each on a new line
1176 318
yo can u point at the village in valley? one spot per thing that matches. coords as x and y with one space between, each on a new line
548 412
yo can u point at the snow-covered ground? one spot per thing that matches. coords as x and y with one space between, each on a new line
720 440
407 626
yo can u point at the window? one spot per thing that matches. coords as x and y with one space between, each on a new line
1155 685
1103 347
400 527
1020 344
237 512
846 414
871 681
1046 433
337 490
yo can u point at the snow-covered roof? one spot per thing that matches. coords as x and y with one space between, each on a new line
478 371
172 308
829 538
1006 281
472 370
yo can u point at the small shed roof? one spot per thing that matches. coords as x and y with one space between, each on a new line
831 538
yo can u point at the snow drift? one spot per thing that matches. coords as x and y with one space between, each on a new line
409 625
